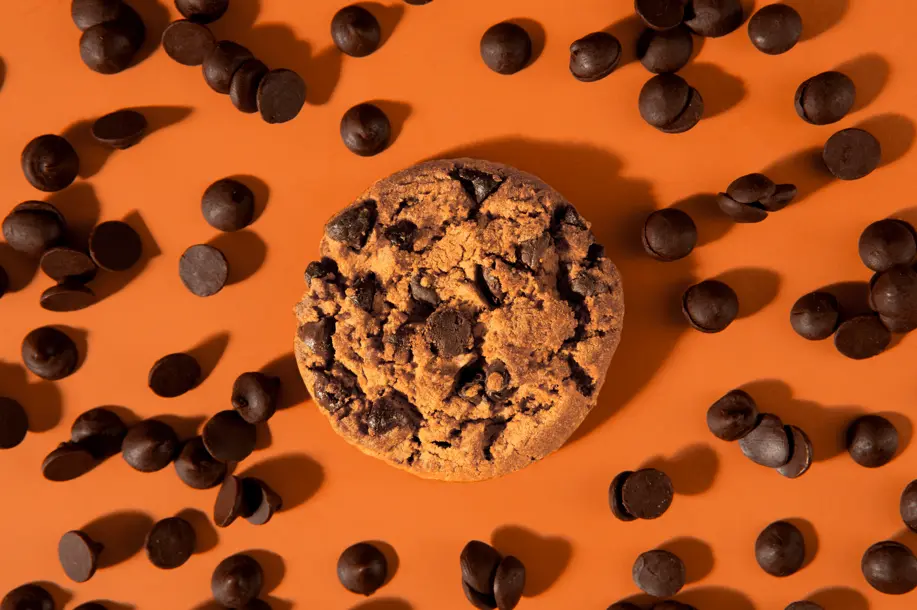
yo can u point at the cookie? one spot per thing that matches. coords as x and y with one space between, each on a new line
463 322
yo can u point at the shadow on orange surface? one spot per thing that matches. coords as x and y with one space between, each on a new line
205 533
60 595
692 470
186 427
388 17
397 113
259 189
627 31
716 597
696 555
840 597
155 17
295 476
536 32
870 73
81 209
545 557
721 90
757 288
391 558
208 353
387 603
123 534
712 223
273 566
41 400
292 388
810 535
245 252
818 18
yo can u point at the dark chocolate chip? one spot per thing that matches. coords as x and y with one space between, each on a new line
281 95
479 185
669 234
14 423
365 130
449 333
890 568
886 243
353 224
479 600
115 246
825 98
894 293
170 543
751 188
733 416
402 235
479 562
782 197
150 446
801 458
196 467
355 31
775 29
615 500
362 568
488 285
243 88
531 251
509 583
33 227
254 396
710 306
594 56
67 462
237 580
228 205
872 441
228 437
391 412
49 353
659 573
815 316
664 52
221 63
87 13
334 392
50 163
316 336
689 118
110 47
120 129
663 98
173 375
203 270
768 444
661 14
67 296
422 290
235 499
364 291
506 48
270 503
740 212
851 154
63 263
862 337
28 597
99 431
320 269
187 42
78 555
780 549
908 506
202 11
497 382
647 493
714 18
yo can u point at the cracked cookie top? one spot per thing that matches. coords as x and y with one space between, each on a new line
460 321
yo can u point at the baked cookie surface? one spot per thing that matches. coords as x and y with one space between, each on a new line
460 322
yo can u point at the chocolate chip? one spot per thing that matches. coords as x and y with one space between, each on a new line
362 568
237 580
665 103
714 18
91 606
886 243
99 431
506 48
894 293
908 506
364 291
115 246
203 270
78 555
449 333
594 56
28 597
67 462
751 188
221 63
281 95
316 336
479 562
531 251
196 467
120 129
872 441
488 285
890 568
780 549
509 583
202 11
851 154
783 195
659 573
862 337
14 423
664 52
355 31
67 296
173 375
825 98
63 263
401 234
801 458
87 13
334 392
187 42
365 130
254 396
669 235
710 306
815 316
232 501
479 185
647 493
689 118
775 29
630 606
228 437
270 503
733 416
243 88
170 543
804 606
768 444
49 353
391 412
149 446
353 225
741 212
497 382
320 269
228 205
110 47
50 163
477 599
33 227
660 14
615 499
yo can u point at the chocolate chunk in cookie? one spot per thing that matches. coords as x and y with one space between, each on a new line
497 382
392 411
364 291
334 390
488 285
353 225
423 290
316 336
402 234
320 269
479 185
531 251
449 333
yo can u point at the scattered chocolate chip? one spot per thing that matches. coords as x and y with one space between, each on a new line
243 88
362 568
237 580
741 212
801 457
196 467
477 599
149 446
669 234
448 332
203 270
281 95
851 154
890 568
714 18
110 47
872 441
666 102
815 316
615 499
710 306
236 498
78 555
115 246
825 98
353 224
365 130
99 431
228 437
355 31
270 503
479 562
187 42
173 375
509 583
423 290
14 423
733 416
67 296
886 243
665 52
221 63
751 188
87 13
320 269
908 506
49 353
689 118
647 493
33 227
506 48
63 263
768 444
28 597
254 396
120 129
202 11
228 205
594 56
67 462
862 337
780 549
659 573
170 543
50 163
894 293
783 195
660 14
775 29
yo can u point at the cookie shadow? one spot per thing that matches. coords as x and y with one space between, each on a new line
292 387
545 557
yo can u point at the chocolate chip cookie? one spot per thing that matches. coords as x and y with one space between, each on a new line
460 321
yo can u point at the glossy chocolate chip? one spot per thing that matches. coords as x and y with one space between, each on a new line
237 580
115 246
365 130
690 117
14 423
851 154
87 13
506 48
663 98
67 462
28 597
364 288
660 14
49 353
669 234
196 467
479 562
714 18
228 437
69 295
768 443
149 446
710 306
391 412
100 431
173 375
908 506
33 227
751 188
323 268
203 270
170 543
825 98
236 498
894 293
801 457
482 601
228 205
659 573
281 95
221 63
862 337
664 52
270 503
202 11
890 567
780 549
243 89
741 212
362 568
615 499
110 47
775 29
254 396
594 56
62 263
509 583
353 225
120 129
783 195
815 316
886 243
78 555
449 333
187 42
872 441
50 163
647 493
733 416
355 31
317 338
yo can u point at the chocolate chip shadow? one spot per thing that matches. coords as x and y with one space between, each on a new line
107 284
386 603
757 288
41 400
155 17
205 533
840 597
811 537
696 555
294 476
273 566
716 597
870 73
692 470
545 557
818 18
292 387
208 353
627 31
60 595
81 208
397 113
245 252
122 533
721 90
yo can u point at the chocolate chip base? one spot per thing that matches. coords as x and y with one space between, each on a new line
460 322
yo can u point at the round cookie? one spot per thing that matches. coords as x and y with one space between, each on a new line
464 322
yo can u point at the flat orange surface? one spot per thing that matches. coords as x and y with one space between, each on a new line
589 142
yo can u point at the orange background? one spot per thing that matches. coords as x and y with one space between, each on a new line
588 141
